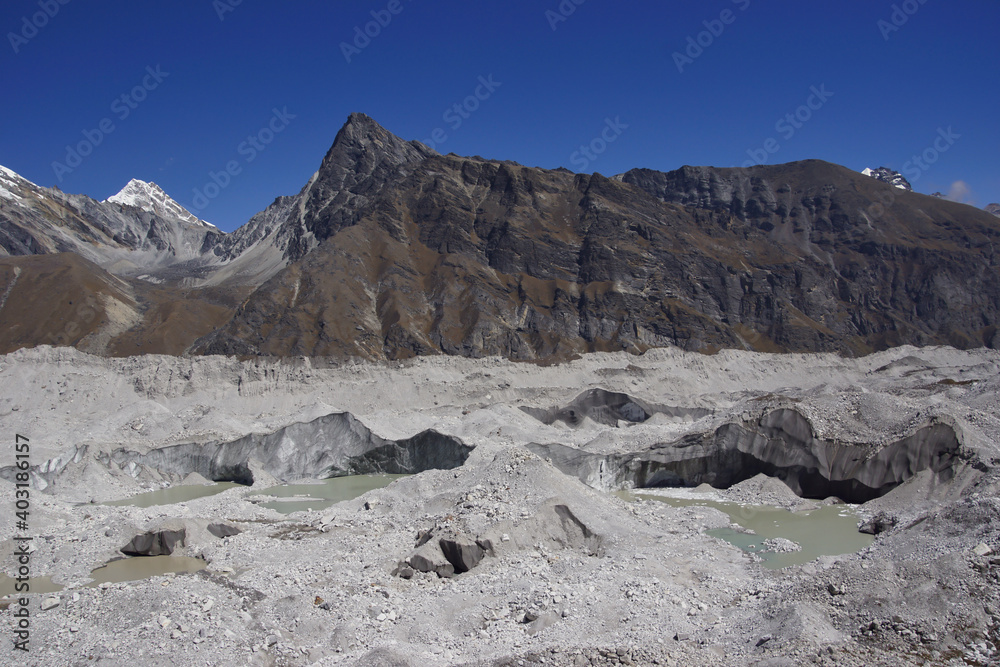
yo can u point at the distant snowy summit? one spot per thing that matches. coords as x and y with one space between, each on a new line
889 176
151 197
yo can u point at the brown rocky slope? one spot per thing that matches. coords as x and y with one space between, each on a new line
393 250
474 257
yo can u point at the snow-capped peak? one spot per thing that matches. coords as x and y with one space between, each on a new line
8 175
10 184
150 197
889 176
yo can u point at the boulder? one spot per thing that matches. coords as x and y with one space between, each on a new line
430 558
463 553
155 543
221 530
878 524
447 556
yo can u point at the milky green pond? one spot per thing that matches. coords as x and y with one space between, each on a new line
173 494
831 530
324 493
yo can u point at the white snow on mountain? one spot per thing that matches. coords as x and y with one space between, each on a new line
9 175
7 194
8 180
889 176
150 197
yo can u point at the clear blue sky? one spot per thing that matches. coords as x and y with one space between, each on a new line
891 90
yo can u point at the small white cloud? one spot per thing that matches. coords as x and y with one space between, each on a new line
960 192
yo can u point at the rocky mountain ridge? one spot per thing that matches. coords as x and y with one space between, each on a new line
393 250
129 236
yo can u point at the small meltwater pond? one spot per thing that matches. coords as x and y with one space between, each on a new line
322 494
310 496
173 494
144 567
125 569
36 584
831 530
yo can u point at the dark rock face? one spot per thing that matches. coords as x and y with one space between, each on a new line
470 257
392 250
330 446
156 543
605 407
364 160
781 444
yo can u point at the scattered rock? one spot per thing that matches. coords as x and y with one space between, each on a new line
780 545
221 530
982 550
463 554
878 524
429 558
158 543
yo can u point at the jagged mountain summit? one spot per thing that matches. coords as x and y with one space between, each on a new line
137 232
151 197
993 208
392 250
889 176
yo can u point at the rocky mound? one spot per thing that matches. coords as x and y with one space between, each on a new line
504 558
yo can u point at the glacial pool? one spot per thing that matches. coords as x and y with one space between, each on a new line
135 568
831 530
173 494
321 494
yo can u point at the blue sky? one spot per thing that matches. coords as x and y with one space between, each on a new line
200 77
